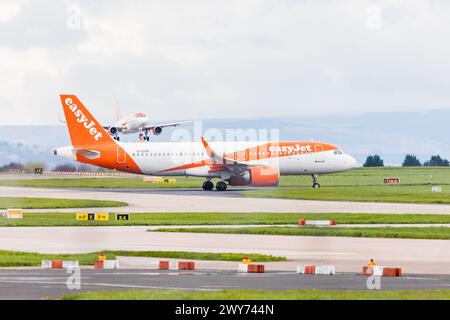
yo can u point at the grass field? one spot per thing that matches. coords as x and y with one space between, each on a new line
262 295
355 177
218 218
48 203
391 193
360 184
28 259
112 182
433 233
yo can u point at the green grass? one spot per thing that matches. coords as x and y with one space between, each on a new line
374 177
262 295
391 193
199 255
28 259
218 218
355 177
360 184
378 232
48 203
97 182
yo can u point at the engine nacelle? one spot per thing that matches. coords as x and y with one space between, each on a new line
113 130
157 131
263 176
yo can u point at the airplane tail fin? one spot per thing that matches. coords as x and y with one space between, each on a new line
118 113
84 129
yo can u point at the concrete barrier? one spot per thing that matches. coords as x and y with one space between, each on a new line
317 270
70 264
303 222
59 264
382 271
176 265
251 268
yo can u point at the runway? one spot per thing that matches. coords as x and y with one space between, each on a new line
194 200
38 284
347 254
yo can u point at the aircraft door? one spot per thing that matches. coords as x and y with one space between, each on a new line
121 155
318 155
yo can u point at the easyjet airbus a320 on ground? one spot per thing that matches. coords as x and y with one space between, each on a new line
234 163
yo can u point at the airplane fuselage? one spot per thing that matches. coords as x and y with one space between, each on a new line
189 158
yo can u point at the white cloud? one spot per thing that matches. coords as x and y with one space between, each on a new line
206 58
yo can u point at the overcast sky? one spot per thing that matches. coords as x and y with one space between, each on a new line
219 59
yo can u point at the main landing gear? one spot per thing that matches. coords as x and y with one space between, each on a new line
208 185
220 186
316 184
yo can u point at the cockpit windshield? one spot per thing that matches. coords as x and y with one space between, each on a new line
140 115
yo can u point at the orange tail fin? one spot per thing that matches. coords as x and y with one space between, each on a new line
91 143
84 129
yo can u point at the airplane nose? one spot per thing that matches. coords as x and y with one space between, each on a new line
351 161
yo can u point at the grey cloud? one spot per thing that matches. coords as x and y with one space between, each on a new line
40 23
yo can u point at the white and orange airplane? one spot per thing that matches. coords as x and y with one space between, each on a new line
137 122
234 163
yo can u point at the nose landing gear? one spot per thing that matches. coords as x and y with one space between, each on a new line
316 184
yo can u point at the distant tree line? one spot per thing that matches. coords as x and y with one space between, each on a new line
68 167
29 167
410 161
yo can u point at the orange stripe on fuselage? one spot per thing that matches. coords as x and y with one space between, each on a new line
269 150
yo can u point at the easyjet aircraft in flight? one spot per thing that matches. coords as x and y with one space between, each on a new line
234 163
137 122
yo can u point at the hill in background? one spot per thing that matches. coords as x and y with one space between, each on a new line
391 135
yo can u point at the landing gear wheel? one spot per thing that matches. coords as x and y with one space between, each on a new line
207 185
316 184
221 186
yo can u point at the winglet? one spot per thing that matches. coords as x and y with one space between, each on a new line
208 149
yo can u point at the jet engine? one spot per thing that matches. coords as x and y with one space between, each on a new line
157 131
261 176
113 130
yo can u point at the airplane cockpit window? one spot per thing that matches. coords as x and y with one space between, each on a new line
140 115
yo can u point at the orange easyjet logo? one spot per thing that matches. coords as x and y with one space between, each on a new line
81 118
290 149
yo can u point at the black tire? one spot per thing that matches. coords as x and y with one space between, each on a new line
207 185
221 186
316 185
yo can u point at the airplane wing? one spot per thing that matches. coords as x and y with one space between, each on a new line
220 163
119 129
164 125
